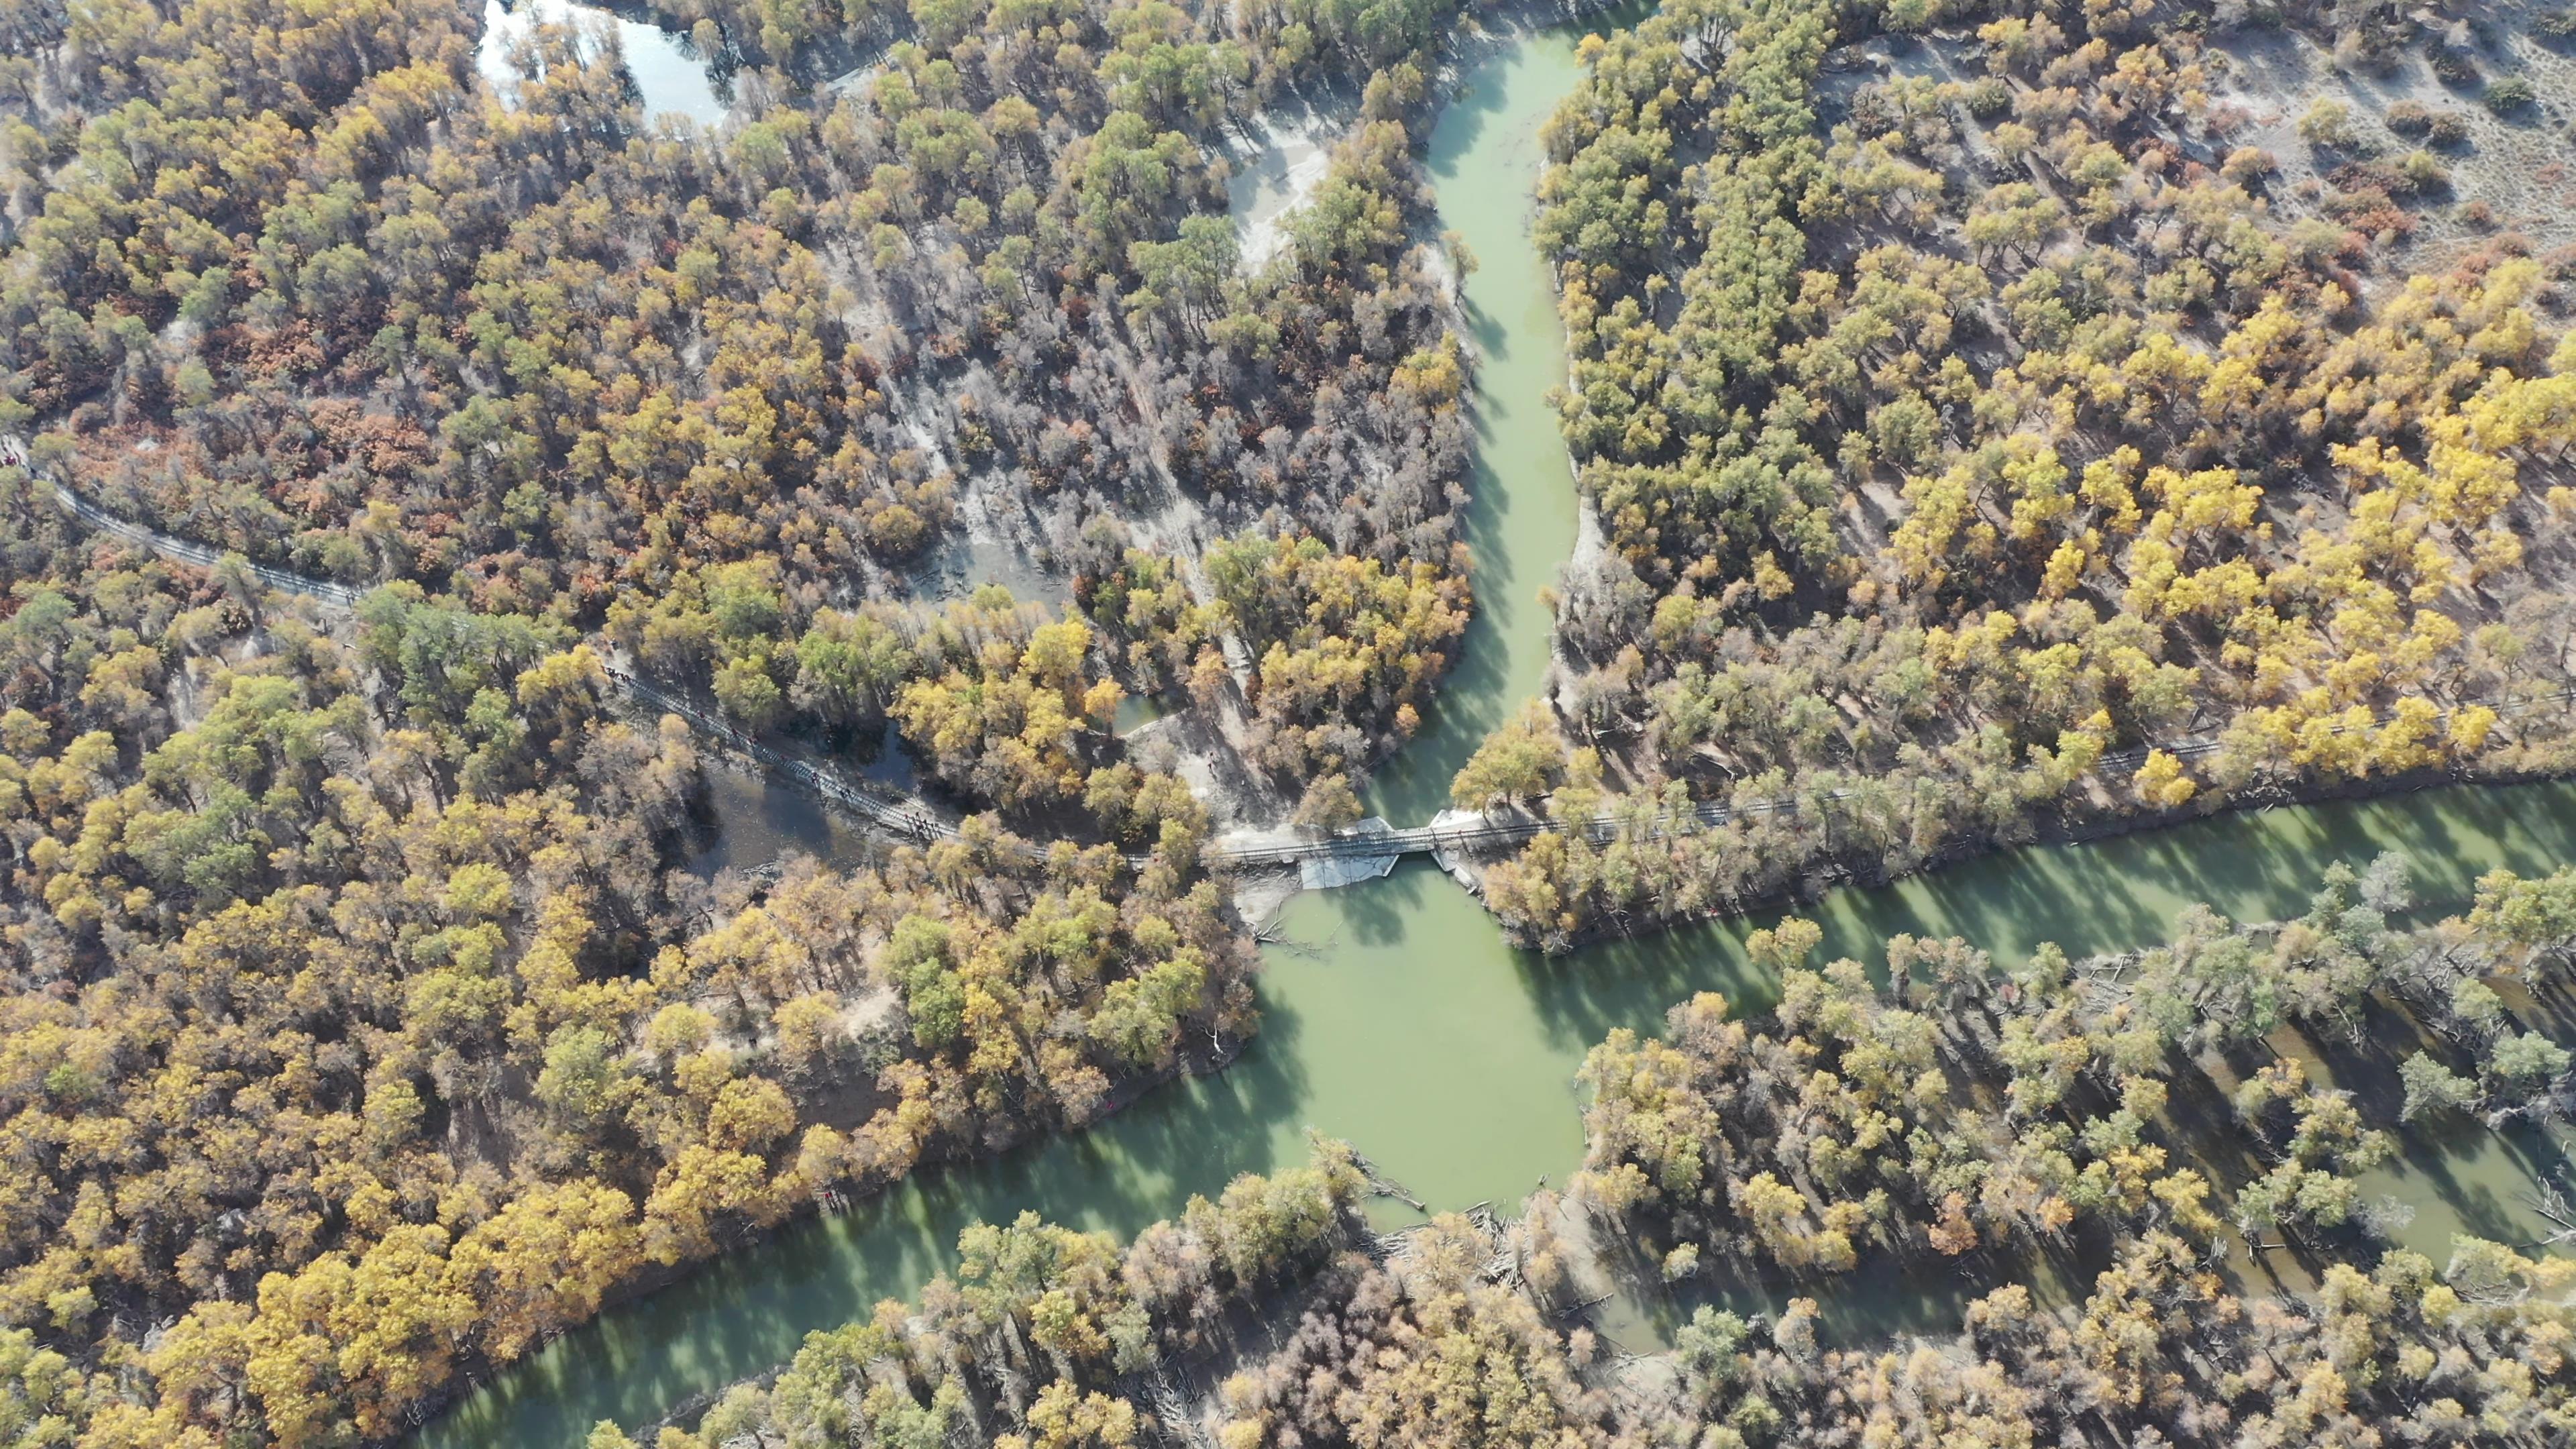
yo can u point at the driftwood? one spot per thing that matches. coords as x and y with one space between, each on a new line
2550 1202
1381 1185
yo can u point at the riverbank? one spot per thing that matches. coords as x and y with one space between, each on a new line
1403 992
2046 830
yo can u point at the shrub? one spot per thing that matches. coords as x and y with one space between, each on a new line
2247 164
2327 123
2455 67
2409 118
2509 95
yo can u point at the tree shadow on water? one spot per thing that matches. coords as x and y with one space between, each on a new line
1381 912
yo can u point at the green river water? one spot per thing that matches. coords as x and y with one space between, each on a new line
1396 1018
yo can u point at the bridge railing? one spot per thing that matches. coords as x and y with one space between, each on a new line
200 555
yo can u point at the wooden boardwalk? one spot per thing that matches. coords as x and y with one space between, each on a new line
1324 858
172 546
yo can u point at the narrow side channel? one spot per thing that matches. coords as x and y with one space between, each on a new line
1485 159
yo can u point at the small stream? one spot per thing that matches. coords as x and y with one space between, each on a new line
1396 1018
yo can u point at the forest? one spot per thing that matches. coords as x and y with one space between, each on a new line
364 1031
692 392
364 1023
1987 437
1981 439
1931 1113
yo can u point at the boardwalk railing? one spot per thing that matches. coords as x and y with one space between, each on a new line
197 553
888 810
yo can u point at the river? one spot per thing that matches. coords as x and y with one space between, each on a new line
1396 1018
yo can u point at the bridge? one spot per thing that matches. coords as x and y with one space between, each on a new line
1322 859
172 546
1359 853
